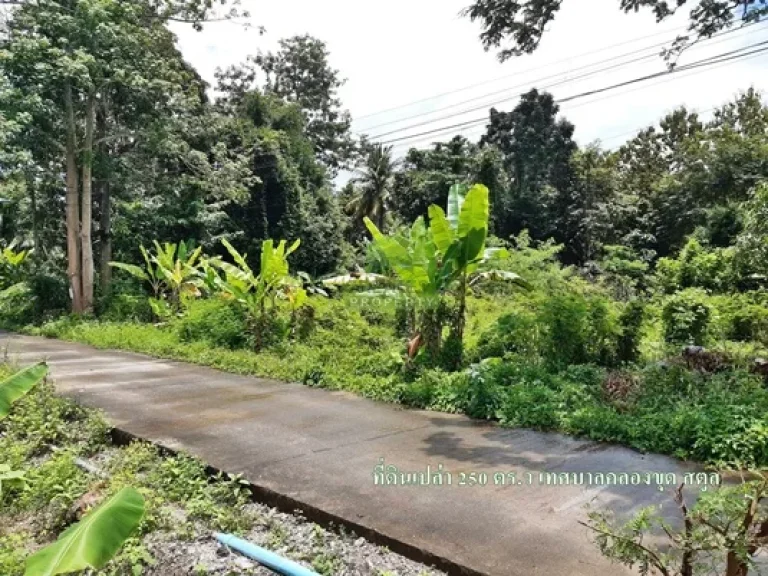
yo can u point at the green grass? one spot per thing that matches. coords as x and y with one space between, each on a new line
719 419
44 437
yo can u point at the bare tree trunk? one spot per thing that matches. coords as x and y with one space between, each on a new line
105 228
72 204
86 207
31 187
105 207
735 566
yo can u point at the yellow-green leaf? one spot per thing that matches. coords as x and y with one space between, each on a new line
442 233
13 388
474 211
93 541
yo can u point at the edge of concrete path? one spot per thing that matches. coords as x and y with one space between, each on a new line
327 520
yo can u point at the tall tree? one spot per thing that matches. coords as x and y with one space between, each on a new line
536 147
373 186
94 77
290 194
426 176
300 72
523 22
581 211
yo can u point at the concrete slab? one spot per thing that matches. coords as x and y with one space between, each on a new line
319 449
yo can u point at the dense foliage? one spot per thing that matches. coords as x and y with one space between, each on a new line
523 22
142 212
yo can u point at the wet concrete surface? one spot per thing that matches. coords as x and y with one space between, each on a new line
320 448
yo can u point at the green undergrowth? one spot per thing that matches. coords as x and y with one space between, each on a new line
70 465
48 437
543 363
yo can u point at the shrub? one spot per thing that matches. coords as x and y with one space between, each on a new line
17 305
699 266
749 323
451 353
50 293
215 321
579 330
514 332
630 322
484 396
33 300
686 317
530 406
623 270
438 390
121 307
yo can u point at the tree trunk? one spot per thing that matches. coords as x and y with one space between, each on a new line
461 315
72 204
105 206
105 228
86 245
33 208
735 566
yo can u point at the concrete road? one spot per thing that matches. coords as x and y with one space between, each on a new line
318 449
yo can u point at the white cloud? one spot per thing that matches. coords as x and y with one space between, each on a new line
396 52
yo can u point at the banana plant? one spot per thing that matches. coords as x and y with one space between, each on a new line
433 261
180 267
93 541
150 273
19 384
172 271
12 264
255 291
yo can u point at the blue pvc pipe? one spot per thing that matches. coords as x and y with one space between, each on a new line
264 556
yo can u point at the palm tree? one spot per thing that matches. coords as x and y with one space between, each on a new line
375 182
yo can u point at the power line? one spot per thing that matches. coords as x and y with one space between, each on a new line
636 131
496 103
480 129
476 132
532 82
724 57
568 78
491 81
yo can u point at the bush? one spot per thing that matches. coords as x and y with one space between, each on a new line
699 266
630 322
215 321
31 301
579 330
17 305
686 317
514 332
744 318
438 390
50 293
530 406
121 307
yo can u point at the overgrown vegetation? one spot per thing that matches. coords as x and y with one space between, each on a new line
65 464
620 295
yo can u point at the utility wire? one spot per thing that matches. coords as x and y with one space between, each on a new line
478 130
498 102
724 57
567 79
491 81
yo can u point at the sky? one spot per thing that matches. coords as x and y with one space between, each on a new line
399 52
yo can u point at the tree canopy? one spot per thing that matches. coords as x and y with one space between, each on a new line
517 26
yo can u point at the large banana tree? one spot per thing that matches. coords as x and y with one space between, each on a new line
440 259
